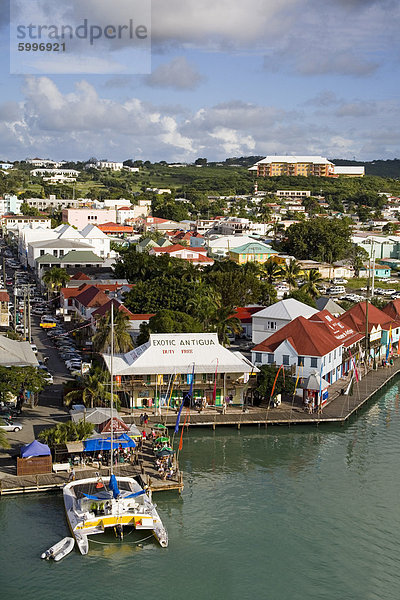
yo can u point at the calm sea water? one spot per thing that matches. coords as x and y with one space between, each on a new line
275 513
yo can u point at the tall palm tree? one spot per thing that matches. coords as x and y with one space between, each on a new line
225 322
55 278
291 272
277 229
122 339
271 271
204 304
91 392
311 279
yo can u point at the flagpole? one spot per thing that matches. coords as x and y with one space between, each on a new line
112 388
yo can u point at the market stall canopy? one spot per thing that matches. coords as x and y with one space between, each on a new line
74 447
315 382
16 354
167 353
100 444
35 448
92 415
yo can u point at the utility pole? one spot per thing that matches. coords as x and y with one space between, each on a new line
15 301
29 315
24 334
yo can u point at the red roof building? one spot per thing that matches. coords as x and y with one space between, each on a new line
310 346
197 256
114 229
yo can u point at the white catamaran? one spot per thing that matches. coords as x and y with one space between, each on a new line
95 504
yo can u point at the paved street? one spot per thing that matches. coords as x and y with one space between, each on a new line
50 408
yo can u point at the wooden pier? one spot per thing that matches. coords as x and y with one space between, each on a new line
339 409
144 470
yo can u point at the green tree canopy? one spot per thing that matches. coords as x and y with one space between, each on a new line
265 381
319 239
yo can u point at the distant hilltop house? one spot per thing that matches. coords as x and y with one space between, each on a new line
40 162
349 171
56 175
319 166
106 164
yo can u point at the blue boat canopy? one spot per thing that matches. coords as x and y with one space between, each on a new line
35 448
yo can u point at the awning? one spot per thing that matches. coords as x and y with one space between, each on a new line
74 447
100 444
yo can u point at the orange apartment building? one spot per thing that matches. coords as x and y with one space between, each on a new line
275 166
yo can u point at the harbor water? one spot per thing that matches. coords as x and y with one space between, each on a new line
280 513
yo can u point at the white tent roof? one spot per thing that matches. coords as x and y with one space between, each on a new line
91 231
168 353
287 309
16 354
93 415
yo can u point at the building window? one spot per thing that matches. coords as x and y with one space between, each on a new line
314 362
42 253
300 361
258 358
285 359
270 358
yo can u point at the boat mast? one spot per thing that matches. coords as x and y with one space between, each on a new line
112 388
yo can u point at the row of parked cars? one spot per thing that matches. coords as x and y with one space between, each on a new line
65 346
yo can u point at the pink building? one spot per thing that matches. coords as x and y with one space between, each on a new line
80 217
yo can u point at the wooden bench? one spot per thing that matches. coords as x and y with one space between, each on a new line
61 467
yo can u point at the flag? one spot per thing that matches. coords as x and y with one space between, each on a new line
276 377
389 346
354 365
190 394
215 384
320 384
181 438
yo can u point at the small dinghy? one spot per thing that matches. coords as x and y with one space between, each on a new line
59 550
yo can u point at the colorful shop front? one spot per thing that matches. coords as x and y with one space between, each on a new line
161 371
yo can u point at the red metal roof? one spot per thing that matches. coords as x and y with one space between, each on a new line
92 297
245 313
393 309
4 297
80 275
355 317
115 227
310 337
105 308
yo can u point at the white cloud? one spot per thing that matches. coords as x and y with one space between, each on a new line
178 74
80 123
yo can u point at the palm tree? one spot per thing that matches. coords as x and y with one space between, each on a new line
225 322
271 271
91 392
55 278
311 279
122 339
204 304
291 272
277 229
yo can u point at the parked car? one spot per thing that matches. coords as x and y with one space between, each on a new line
10 425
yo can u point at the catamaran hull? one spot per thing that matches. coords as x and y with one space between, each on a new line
120 514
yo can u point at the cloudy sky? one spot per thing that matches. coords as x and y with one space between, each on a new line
228 78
